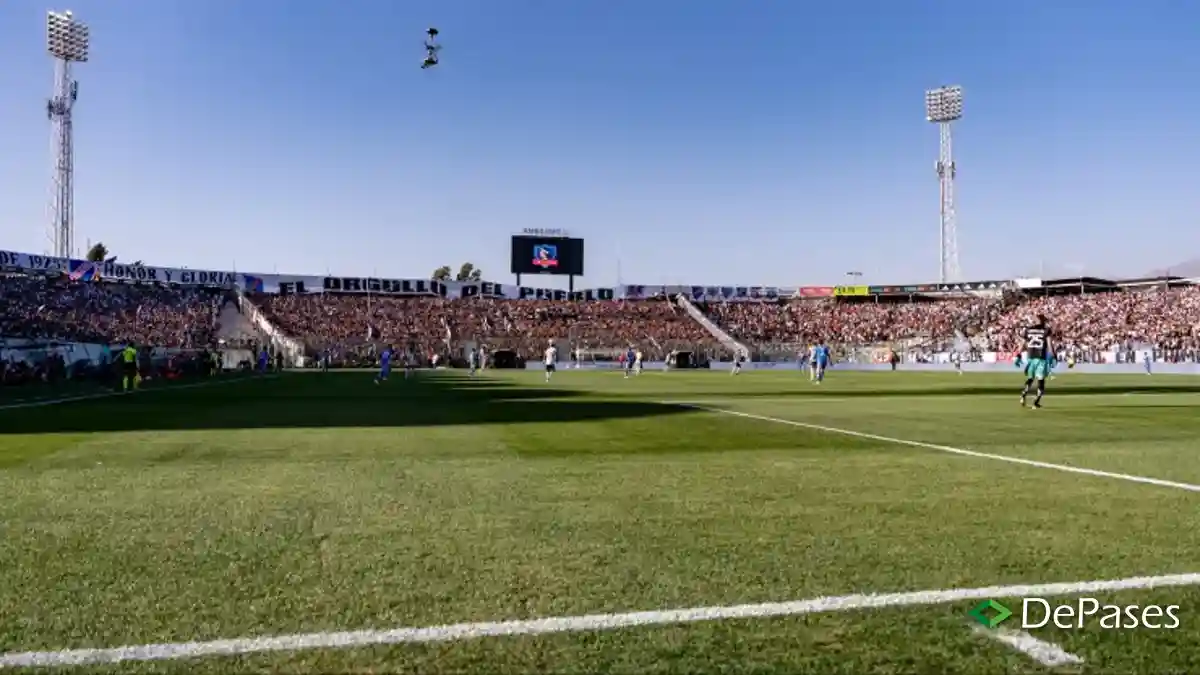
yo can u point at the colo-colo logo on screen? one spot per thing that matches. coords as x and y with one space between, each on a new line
1081 612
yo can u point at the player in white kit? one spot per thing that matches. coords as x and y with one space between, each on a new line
410 361
551 359
738 360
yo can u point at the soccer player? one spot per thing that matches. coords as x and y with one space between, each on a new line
821 359
473 361
550 359
410 361
385 364
630 355
1147 359
956 359
738 360
1037 365
483 354
812 363
637 362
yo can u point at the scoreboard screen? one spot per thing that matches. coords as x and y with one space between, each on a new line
561 256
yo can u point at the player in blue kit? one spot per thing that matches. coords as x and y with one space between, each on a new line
630 357
385 365
821 359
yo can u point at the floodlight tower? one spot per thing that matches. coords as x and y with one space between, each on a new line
944 106
67 41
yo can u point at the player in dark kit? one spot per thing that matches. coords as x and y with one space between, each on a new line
1037 359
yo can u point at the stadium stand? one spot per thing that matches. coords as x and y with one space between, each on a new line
43 319
843 321
56 308
1091 317
1157 318
1165 320
348 324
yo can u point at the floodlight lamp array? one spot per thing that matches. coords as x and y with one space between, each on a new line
944 104
66 37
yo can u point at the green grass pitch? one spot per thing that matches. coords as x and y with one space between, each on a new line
313 503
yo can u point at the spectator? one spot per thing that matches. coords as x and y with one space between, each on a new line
41 308
350 327
348 324
1166 321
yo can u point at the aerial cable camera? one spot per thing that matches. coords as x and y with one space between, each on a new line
431 49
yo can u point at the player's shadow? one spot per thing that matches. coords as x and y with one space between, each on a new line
331 400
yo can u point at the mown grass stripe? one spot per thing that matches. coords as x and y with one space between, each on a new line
567 624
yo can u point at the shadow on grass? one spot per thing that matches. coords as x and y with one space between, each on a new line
328 400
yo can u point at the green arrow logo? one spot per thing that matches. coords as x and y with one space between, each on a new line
998 613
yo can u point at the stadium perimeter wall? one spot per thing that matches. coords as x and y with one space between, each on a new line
24 349
1082 368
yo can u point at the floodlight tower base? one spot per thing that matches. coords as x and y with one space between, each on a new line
62 202
948 230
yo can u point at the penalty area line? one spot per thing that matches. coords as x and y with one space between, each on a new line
947 449
569 624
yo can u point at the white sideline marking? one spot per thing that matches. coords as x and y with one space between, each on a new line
570 624
109 394
1046 653
945 448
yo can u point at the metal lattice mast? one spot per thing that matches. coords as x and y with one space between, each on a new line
67 40
943 107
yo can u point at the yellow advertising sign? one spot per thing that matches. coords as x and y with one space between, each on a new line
851 290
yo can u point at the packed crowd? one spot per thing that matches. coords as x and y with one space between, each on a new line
1166 320
346 324
60 309
840 322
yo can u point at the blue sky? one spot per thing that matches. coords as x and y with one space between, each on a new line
775 142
